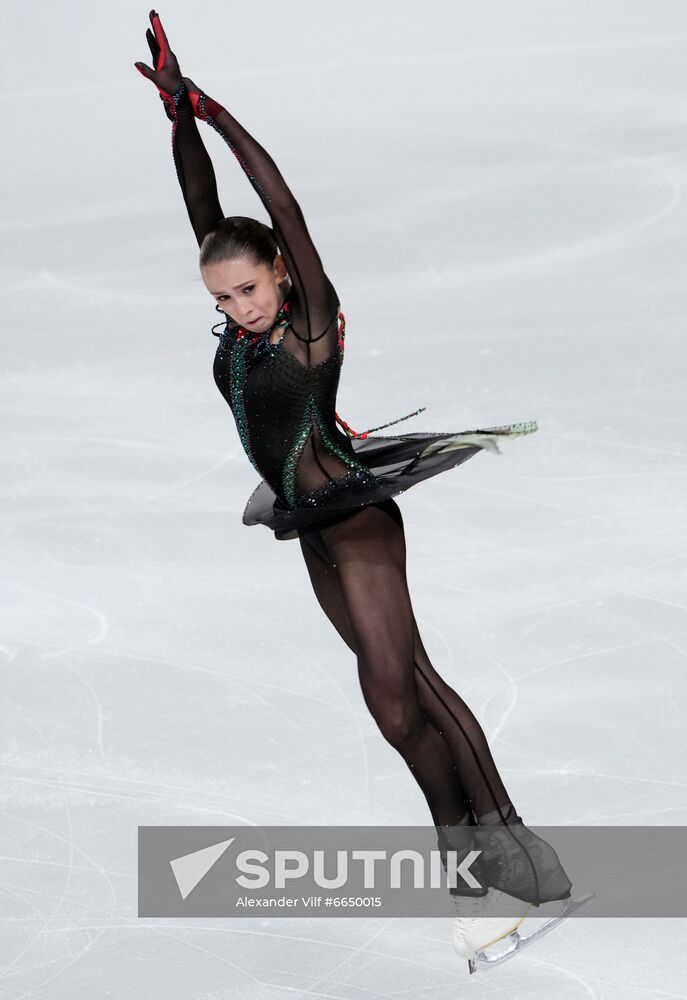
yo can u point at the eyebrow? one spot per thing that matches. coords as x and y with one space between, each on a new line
248 281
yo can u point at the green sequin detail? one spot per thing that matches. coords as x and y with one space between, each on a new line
311 413
238 374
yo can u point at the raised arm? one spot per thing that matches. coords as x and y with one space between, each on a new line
194 168
314 301
315 292
191 160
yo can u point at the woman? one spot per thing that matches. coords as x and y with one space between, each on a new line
278 363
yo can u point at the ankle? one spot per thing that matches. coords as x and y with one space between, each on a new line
504 815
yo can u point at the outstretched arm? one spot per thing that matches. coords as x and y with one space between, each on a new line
301 257
191 159
315 302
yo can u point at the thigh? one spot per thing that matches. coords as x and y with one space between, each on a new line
328 591
375 532
368 551
325 583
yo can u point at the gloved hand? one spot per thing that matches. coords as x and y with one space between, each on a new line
167 75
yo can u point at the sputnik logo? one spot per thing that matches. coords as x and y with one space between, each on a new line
189 869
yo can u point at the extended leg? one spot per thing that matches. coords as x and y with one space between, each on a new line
357 568
449 714
382 641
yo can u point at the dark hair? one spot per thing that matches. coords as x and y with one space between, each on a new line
239 236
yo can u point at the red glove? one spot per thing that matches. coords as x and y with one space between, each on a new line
167 75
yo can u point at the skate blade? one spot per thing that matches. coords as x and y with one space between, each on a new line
467 952
516 943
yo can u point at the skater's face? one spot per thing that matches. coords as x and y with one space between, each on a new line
250 294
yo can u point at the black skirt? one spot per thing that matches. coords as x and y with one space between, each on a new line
395 463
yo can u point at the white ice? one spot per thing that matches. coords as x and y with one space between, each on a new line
497 193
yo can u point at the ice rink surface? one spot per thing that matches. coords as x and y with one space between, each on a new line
497 194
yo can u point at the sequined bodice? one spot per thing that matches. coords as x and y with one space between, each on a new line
285 412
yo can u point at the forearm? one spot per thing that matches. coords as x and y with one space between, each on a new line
195 171
254 159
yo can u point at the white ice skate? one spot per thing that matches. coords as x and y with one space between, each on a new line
473 934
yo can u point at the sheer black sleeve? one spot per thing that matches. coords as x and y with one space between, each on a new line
313 301
194 169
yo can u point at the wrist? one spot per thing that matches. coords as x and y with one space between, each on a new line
172 101
204 107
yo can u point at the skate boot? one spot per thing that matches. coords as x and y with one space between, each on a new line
522 871
461 840
473 931
521 864
474 937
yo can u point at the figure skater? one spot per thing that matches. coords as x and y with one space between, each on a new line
277 363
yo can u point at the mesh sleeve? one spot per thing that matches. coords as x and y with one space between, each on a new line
314 300
194 168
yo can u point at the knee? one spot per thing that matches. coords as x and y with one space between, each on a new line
399 721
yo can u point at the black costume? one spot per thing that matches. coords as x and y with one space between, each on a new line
334 492
283 395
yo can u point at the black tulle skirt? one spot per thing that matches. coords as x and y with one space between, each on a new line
394 464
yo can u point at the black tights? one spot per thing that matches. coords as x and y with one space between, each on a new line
357 566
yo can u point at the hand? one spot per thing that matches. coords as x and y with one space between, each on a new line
166 76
